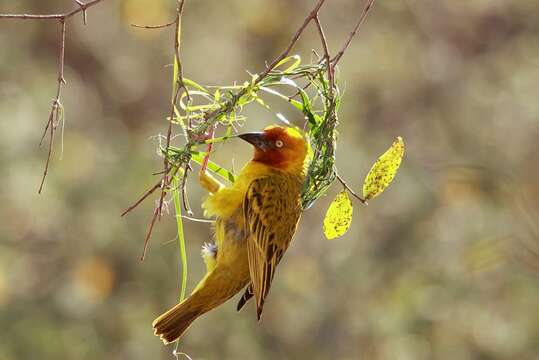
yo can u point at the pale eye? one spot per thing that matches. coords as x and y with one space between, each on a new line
279 143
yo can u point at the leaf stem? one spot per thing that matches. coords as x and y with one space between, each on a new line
352 192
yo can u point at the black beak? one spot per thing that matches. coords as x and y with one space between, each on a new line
257 139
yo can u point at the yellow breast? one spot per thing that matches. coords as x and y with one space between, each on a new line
224 203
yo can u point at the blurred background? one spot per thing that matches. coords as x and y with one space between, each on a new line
443 265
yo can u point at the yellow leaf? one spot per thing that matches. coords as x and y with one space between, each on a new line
383 171
339 216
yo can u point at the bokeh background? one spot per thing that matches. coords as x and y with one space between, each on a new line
443 265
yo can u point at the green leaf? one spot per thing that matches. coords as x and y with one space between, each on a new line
189 82
193 94
295 59
297 104
175 71
180 120
384 170
313 118
339 216
304 105
213 167
261 102
181 238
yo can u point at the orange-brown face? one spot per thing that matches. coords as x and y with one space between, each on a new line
278 146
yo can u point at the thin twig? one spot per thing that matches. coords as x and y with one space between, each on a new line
360 21
161 172
185 198
362 200
142 198
178 87
157 211
49 152
198 220
210 116
330 68
56 105
64 16
83 7
56 112
176 91
312 15
161 26
208 150
149 232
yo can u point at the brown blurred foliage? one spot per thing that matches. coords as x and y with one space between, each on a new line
443 265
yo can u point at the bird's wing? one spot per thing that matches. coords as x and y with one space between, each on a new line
271 208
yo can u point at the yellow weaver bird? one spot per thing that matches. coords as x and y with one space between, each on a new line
256 218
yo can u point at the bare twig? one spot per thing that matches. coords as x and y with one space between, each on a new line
208 150
142 198
155 215
330 67
56 105
360 21
175 95
312 15
160 26
210 116
341 180
56 112
166 180
185 198
82 7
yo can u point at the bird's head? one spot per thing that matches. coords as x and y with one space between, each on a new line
280 147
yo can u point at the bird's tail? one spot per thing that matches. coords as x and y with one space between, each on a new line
211 292
247 295
172 324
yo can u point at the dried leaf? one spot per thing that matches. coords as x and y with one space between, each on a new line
339 216
383 171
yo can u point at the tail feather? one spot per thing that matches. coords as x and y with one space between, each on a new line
212 291
247 295
172 324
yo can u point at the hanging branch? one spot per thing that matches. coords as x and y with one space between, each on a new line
56 113
168 171
207 119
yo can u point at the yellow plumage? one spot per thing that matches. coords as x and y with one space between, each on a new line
256 219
